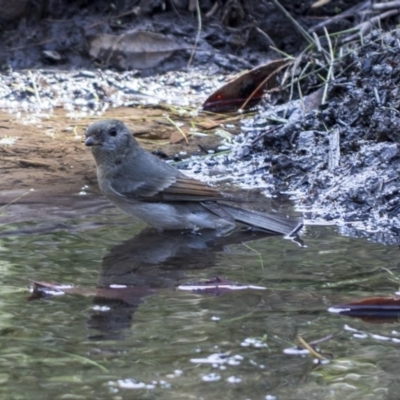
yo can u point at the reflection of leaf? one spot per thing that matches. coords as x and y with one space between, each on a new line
246 90
131 50
127 294
217 286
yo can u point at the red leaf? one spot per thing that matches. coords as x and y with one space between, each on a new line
247 90
373 309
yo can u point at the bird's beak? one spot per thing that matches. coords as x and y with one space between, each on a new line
91 142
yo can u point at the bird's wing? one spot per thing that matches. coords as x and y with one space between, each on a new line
173 188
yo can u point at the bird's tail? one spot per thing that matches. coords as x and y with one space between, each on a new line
265 221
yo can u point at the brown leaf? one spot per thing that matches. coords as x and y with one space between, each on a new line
377 302
247 90
176 137
372 309
132 50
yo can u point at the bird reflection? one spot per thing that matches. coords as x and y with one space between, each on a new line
150 261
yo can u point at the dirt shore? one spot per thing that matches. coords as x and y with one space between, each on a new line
45 157
50 157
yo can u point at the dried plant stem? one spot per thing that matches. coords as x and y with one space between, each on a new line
16 199
177 127
330 69
310 349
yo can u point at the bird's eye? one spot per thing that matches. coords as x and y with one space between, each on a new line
113 132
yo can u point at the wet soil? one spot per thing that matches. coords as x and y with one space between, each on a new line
55 163
50 157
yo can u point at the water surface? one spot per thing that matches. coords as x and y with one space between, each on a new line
152 340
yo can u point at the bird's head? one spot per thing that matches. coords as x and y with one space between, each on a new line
109 138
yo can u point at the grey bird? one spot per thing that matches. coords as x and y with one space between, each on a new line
157 193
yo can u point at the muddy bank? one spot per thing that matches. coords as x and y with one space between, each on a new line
46 152
341 163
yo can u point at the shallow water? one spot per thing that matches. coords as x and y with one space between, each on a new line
152 340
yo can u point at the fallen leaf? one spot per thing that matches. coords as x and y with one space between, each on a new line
176 137
373 309
132 50
246 90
